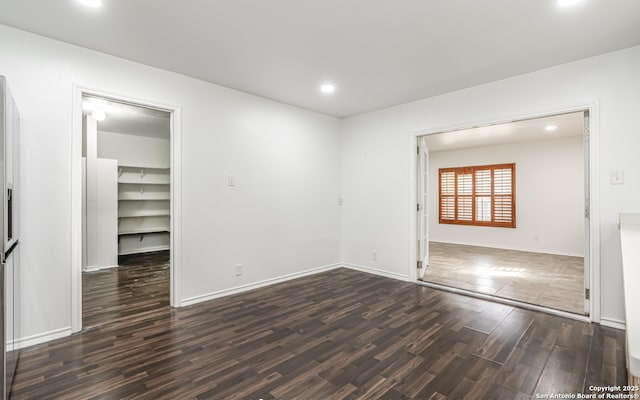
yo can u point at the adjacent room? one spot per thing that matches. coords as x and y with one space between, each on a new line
319 199
506 211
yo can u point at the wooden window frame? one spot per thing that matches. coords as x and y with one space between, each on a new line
472 170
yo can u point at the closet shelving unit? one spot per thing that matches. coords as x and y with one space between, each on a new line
143 208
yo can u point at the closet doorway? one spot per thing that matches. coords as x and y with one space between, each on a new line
126 210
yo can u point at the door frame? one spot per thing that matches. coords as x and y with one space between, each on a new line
422 216
175 245
594 167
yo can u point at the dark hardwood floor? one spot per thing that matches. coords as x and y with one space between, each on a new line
139 285
333 335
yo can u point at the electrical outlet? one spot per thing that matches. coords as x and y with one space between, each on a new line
238 269
374 255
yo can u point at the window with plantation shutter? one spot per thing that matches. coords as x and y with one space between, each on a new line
482 195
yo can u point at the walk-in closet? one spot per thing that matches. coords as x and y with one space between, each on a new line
127 209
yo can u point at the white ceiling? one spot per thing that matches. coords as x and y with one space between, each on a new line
129 119
379 53
528 130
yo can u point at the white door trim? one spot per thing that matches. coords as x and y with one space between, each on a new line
594 189
423 207
76 196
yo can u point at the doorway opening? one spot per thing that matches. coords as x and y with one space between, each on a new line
126 209
503 211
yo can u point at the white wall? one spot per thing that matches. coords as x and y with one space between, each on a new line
376 155
281 217
549 196
133 150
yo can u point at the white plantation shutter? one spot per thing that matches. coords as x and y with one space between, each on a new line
502 181
465 184
482 195
503 190
503 209
464 194
465 208
448 196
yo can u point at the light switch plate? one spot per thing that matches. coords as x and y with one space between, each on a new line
616 177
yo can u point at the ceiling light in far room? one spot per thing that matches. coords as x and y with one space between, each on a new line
98 115
567 3
91 3
327 88
550 128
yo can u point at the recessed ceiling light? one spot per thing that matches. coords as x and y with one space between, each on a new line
550 128
565 3
99 115
91 3
327 88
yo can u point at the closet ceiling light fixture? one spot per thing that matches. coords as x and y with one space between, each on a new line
98 115
327 88
91 3
550 128
94 104
566 3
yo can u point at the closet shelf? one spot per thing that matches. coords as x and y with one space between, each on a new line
142 182
151 202
144 165
143 213
159 229
138 197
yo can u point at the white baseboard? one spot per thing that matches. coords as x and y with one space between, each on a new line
239 289
42 337
528 250
613 323
94 268
376 271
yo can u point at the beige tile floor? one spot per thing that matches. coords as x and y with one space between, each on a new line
537 278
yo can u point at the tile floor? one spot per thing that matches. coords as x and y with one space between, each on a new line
537 278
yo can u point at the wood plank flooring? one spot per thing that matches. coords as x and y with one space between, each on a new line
543 279
340 334
139 285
